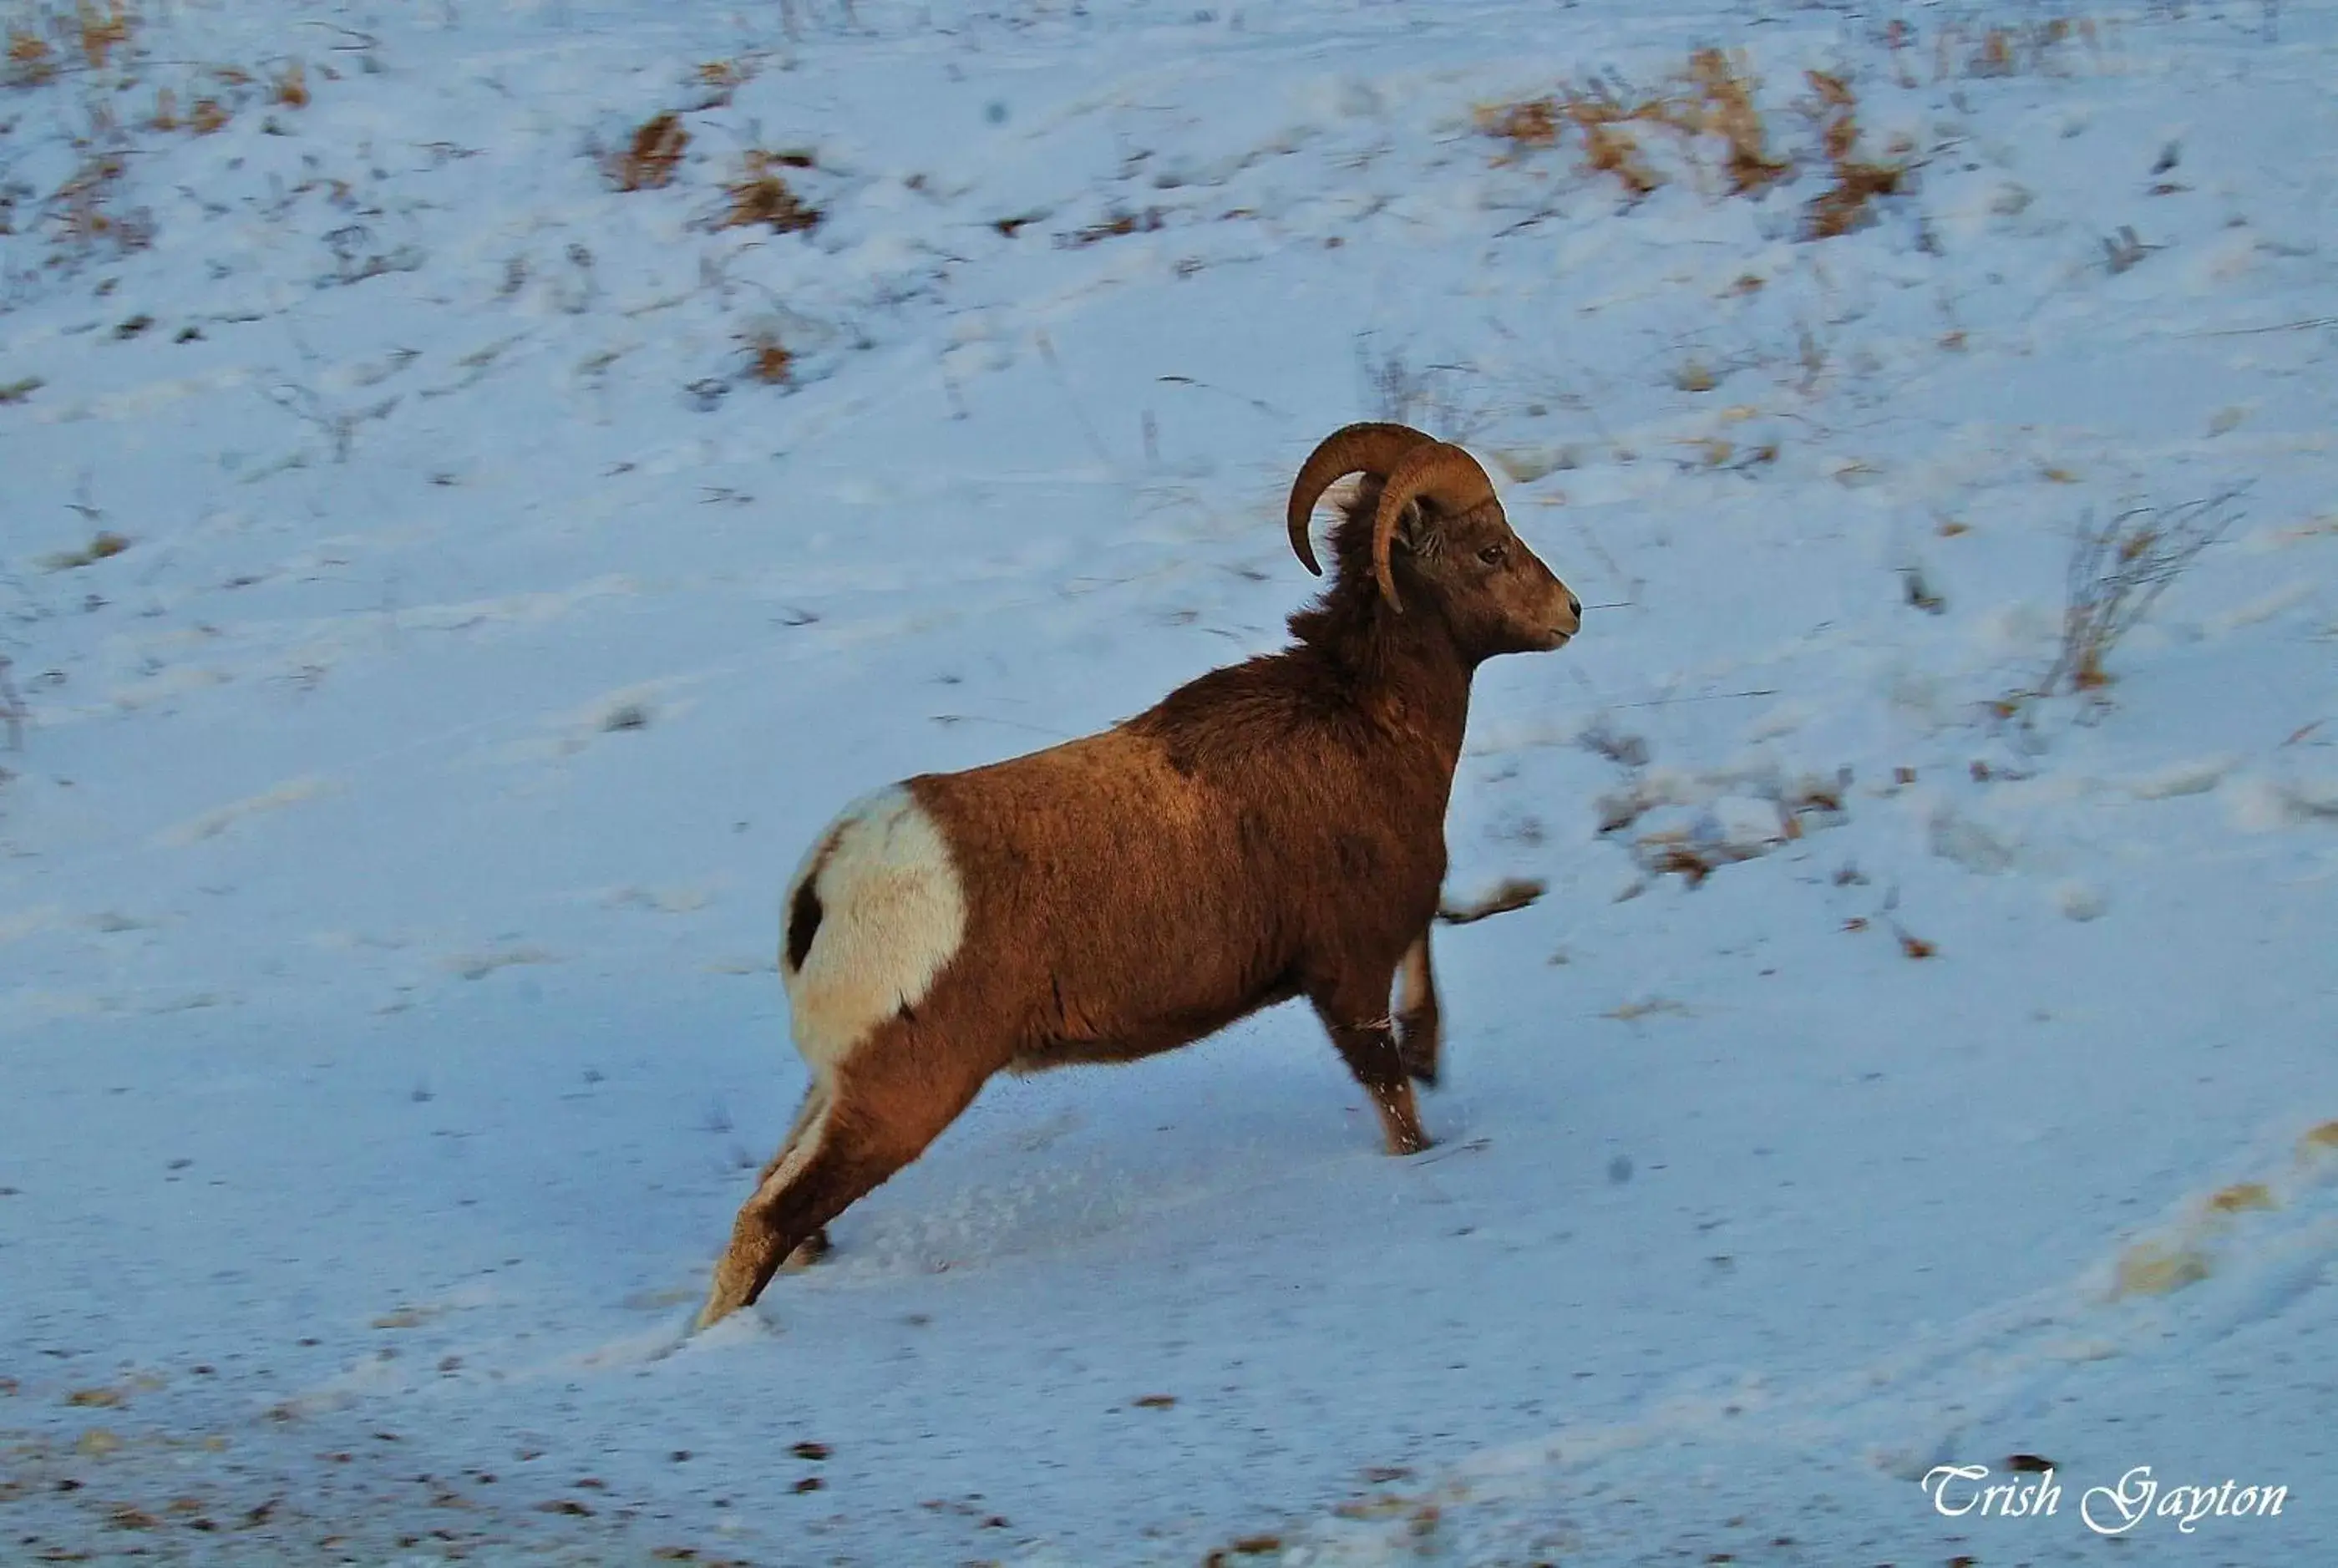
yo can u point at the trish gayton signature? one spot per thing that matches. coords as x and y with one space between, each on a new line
1962 1491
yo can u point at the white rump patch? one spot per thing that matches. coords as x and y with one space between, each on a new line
892 914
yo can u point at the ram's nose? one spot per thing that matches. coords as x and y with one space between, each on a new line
1571 615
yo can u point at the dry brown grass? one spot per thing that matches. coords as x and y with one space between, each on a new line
1121 222
103 546
651 158
1609 147
1528 124
102 29
290 86
768 359
762 198
1726 110
1712 96
720 80
1843 205
31 59
207 115
1714 100
45 39
2022 49
83 213
2117 572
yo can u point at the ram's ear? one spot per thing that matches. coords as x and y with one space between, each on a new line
1420 529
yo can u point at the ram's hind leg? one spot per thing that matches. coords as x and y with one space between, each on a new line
1356 1018
1419 1028
884 1105
815 1246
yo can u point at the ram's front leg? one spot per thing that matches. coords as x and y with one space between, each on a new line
1365 1037
1419 1031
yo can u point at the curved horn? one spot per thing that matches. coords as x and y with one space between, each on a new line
1369 448
1446 475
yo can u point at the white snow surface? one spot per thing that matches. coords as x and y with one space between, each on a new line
390 845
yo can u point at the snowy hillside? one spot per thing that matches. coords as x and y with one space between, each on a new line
480 484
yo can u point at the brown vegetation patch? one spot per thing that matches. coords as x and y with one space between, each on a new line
768 359
1842 206
1610 149
1713 99
104 546
1727 110
1144 222
82 208
102 29
760 197
2006 51
43 38
1714 96
2117 572
1533 123
31 60
721 79
653 155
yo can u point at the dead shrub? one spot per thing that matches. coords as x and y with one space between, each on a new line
1608 148
290 88
81 210
2006 50
1437 396
207 115
654 152
1713 96
2117 572
1843 206
759 197
1727 110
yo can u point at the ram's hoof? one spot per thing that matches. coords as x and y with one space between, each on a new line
1413 1142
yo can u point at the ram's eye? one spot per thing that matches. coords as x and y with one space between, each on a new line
1492 555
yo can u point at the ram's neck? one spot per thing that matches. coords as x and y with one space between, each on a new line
1401 670
1420 688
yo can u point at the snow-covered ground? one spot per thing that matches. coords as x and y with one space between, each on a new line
389 853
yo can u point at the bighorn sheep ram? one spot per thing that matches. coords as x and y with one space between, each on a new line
1273 829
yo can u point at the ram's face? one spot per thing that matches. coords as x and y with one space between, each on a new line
1496 593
